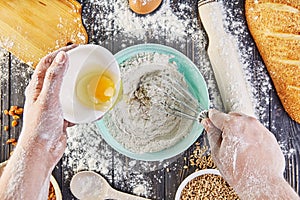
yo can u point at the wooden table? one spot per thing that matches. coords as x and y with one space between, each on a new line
16 75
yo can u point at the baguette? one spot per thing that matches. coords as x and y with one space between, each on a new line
275 27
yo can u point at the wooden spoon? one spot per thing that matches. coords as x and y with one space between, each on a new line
90 185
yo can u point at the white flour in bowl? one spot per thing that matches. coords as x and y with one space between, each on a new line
139 122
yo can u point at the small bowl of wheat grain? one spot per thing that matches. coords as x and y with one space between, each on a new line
205 184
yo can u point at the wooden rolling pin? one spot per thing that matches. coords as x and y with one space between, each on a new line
224 58
30 29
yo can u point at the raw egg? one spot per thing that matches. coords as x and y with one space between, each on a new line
144 6
96 90
91 85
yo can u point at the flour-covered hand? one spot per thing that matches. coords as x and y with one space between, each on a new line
44 126
43 137
248 156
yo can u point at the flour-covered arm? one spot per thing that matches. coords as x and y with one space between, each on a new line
43 137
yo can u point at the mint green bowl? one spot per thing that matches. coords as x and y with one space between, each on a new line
197 87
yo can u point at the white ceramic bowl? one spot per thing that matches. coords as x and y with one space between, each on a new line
84 60
52 180
56 188
191 177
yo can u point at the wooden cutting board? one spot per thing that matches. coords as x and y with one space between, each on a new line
30 29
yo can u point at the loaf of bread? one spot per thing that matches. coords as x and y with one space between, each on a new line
275 27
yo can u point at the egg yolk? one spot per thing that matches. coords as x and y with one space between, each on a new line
101 89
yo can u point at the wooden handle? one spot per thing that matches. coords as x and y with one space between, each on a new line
115 194
30 29
224 58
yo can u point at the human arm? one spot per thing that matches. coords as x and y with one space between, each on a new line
43 137
248 156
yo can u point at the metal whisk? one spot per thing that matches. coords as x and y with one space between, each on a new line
177 101
168 96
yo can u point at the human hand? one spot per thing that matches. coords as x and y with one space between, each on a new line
43 137
44 126
247 155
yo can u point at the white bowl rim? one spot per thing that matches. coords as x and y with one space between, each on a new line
191 177
56 187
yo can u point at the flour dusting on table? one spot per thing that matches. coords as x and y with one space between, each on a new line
86 150
109 19
168 21
255 71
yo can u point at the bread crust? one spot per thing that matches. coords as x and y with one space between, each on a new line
275 27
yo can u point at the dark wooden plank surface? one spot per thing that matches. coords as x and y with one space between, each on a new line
15 76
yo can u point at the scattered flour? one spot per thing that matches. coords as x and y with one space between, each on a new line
4 70
256 73
109 18
86 150
125 173
6 41
111 22
105 19
114 19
